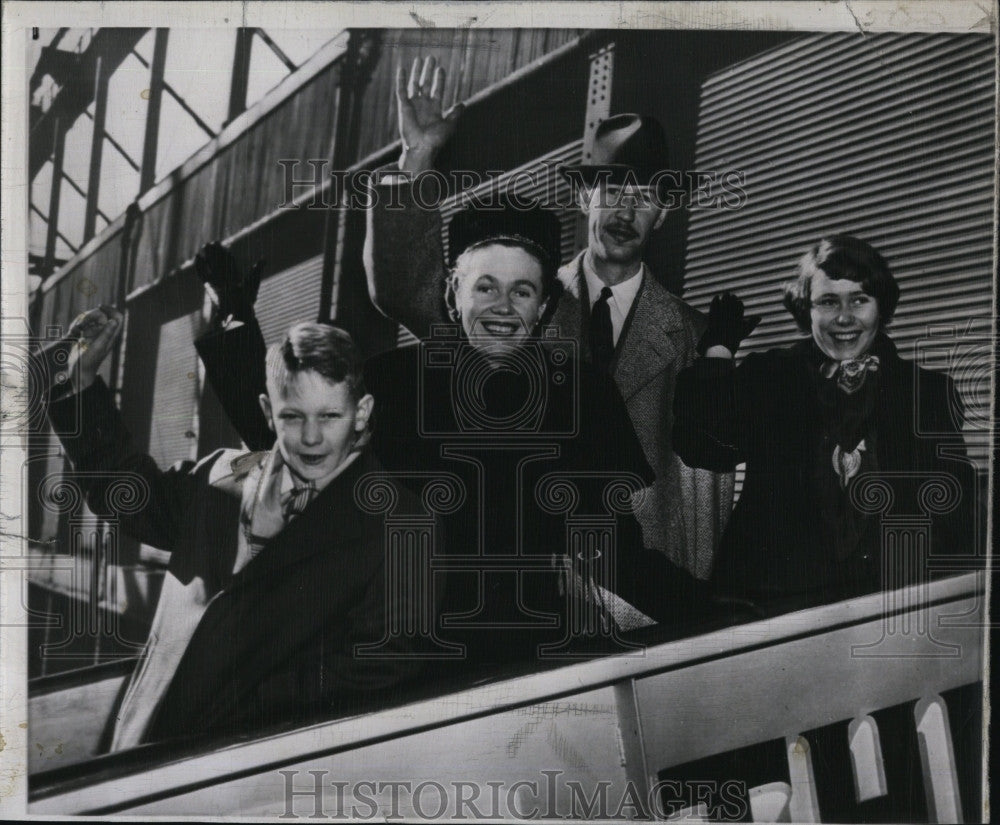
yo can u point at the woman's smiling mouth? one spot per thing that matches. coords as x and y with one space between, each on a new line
505 328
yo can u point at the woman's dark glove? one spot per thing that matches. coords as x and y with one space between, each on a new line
232 292
727 325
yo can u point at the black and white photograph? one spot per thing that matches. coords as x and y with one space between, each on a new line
498 411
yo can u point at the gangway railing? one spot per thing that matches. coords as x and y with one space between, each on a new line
609 732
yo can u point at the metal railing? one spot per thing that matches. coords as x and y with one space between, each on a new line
614 723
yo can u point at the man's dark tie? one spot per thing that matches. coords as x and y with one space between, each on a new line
602 342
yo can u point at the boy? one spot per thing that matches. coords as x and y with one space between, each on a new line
276 573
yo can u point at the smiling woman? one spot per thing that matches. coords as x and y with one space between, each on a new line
500 287
843 296
845 318
827 429
511 412
503 271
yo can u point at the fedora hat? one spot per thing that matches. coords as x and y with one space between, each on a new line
628 148
474 224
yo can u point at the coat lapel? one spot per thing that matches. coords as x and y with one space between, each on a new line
332 518
209 547
653 336
272 612
652 340
569 316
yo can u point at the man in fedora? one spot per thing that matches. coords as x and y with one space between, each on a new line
625 321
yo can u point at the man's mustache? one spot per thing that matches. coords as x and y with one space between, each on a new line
622 229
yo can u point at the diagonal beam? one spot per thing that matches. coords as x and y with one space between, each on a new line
45 218
113 46
180 100
80 191
263 35
117 145
44 62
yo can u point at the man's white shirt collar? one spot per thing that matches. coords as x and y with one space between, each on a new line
622 295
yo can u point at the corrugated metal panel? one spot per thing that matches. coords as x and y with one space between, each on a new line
222 197
175 394
242 184
474 59
290 296
538 180
94 281
888 137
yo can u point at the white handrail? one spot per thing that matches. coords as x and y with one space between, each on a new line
322 742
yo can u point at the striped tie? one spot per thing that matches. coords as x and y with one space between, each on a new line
296 500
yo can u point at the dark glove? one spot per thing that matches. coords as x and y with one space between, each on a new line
727 325
234 292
